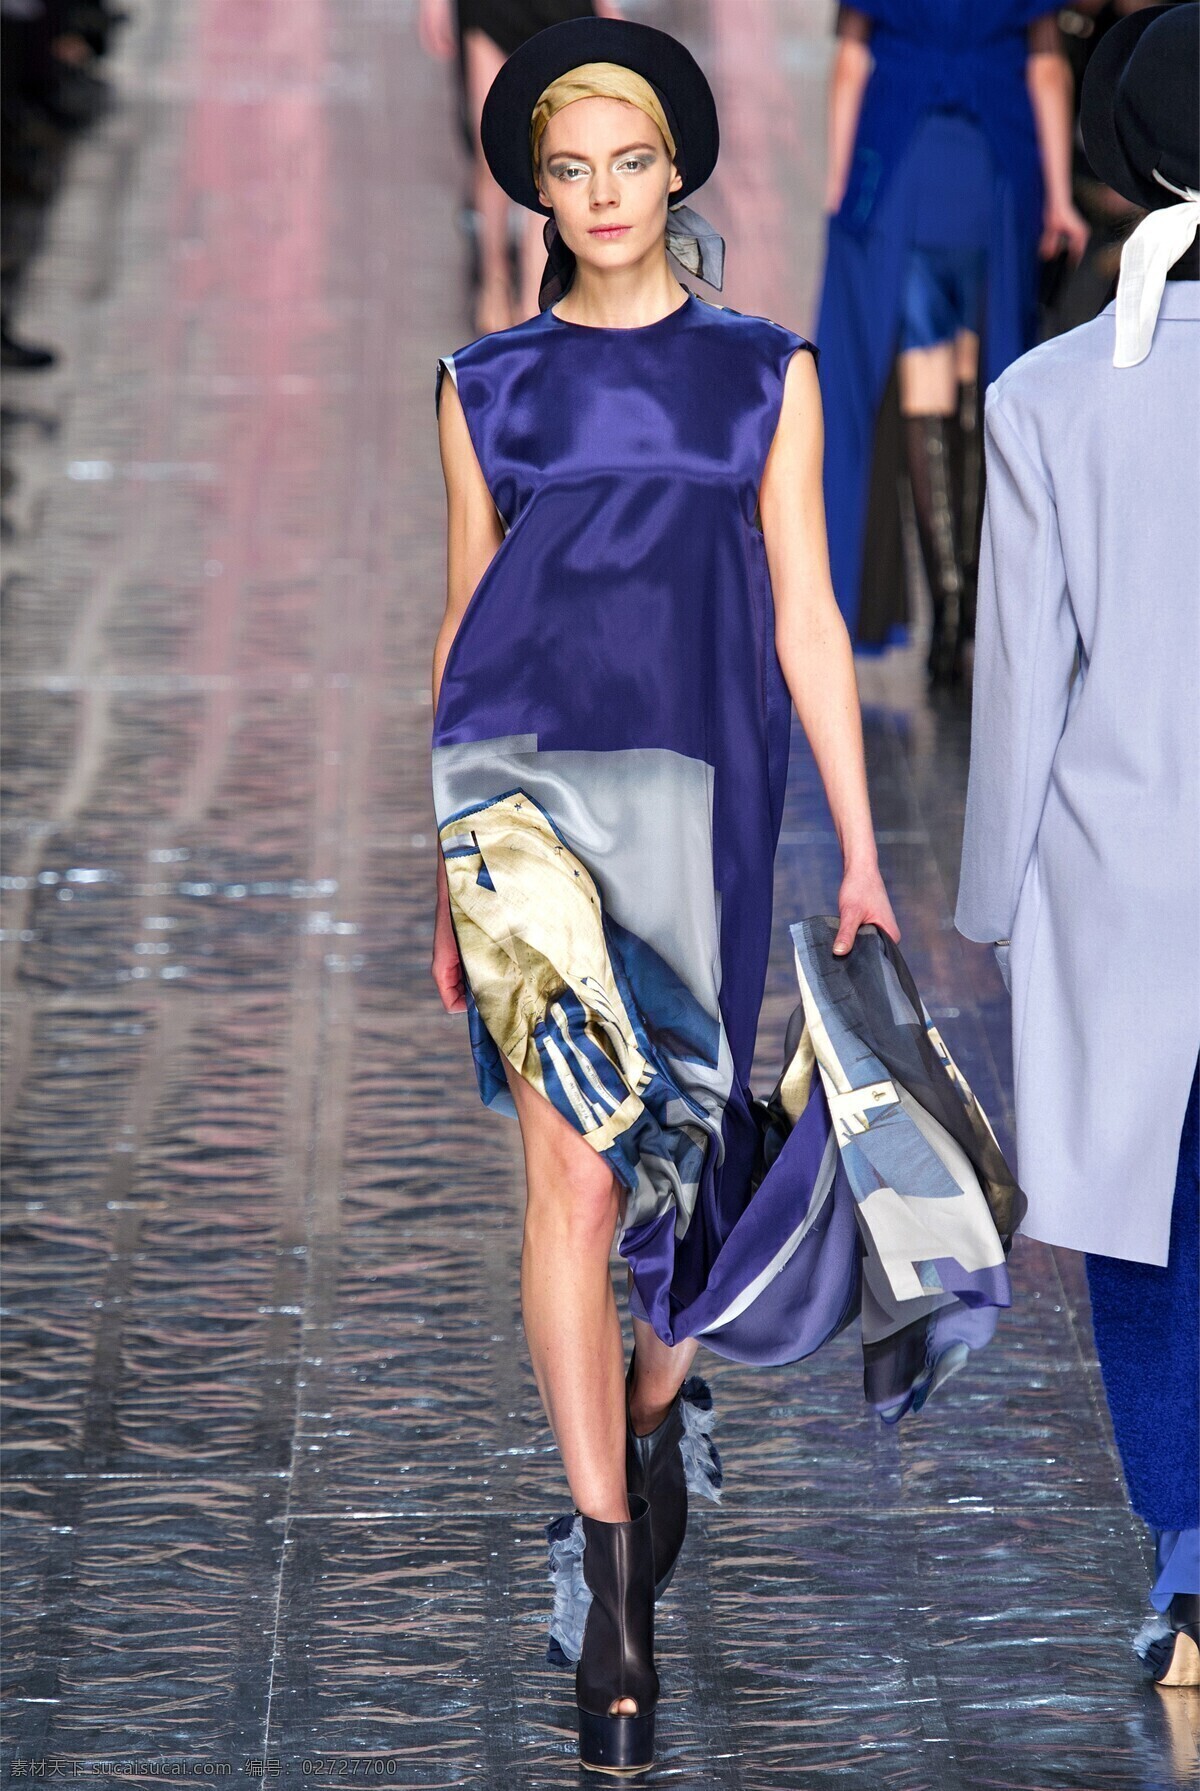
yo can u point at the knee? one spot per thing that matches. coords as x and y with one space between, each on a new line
579 1203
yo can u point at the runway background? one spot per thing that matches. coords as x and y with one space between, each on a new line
276 1469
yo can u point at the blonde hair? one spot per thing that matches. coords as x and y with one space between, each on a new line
595 80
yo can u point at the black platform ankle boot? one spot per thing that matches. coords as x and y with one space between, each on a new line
657 1468
654 1471
617 1656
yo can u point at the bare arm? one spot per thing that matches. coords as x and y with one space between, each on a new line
813 645
1051 94
847 83
435 28
473 527
473 533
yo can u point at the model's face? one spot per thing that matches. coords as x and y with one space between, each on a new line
606 173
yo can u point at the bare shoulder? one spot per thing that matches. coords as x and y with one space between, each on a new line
801 424
454 437
467 493
451 417
800 382
794 459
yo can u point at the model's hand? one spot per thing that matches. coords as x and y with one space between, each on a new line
835 192
837 176
862 900
446 968
1063 228
435 29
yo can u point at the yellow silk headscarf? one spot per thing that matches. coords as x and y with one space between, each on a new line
596 80
691 239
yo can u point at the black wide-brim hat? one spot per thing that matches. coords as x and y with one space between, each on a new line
671 70
1139 109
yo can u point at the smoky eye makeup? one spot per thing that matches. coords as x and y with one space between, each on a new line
561 165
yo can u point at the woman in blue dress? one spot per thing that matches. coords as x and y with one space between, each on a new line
638 590
950 130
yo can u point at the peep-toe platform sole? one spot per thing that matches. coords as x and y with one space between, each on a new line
616 1744
1183 1668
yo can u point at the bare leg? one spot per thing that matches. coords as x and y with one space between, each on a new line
483 60
571 1320
661 1371
966 356
928 381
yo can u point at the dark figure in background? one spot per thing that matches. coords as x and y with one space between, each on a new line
949 172
45 77
481 35
49 92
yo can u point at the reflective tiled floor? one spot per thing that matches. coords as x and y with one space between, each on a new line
276 1471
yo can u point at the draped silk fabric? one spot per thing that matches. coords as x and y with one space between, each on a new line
610 749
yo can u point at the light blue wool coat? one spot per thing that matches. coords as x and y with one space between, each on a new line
1082 834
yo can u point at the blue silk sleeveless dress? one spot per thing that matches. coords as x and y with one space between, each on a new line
609 754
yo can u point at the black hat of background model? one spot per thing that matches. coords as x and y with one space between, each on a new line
1140 105
673 72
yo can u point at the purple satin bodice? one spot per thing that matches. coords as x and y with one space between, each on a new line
629 604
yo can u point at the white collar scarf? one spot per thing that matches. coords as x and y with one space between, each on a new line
1154 247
